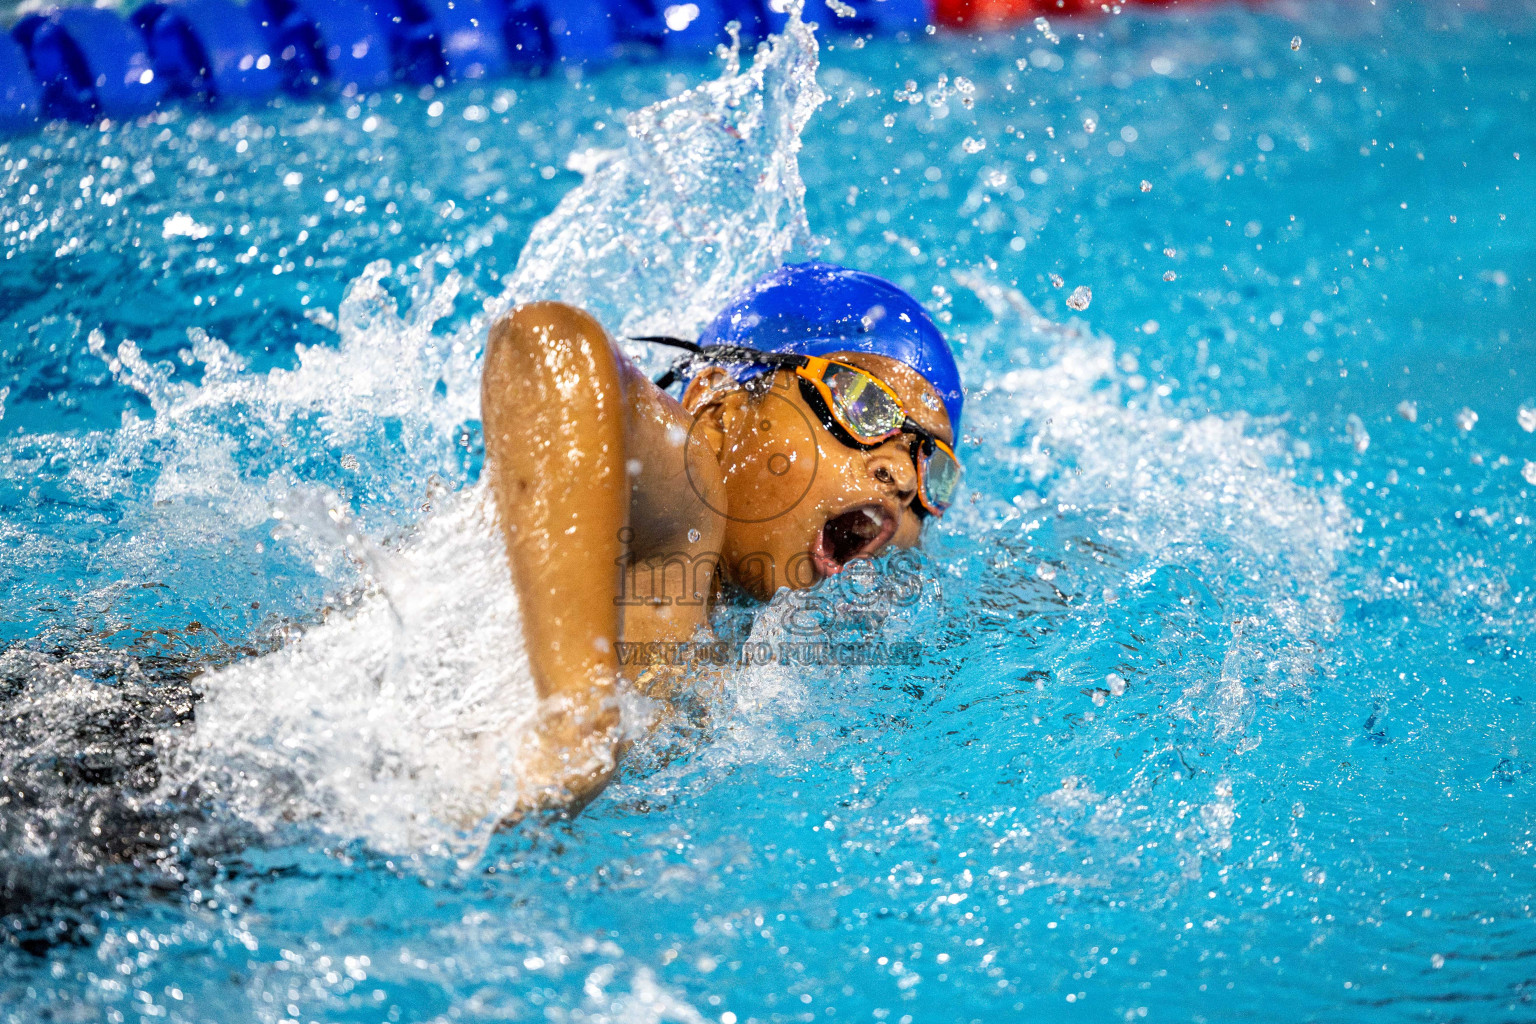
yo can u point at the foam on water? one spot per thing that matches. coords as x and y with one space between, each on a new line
1189 576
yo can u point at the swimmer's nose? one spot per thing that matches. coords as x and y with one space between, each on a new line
892 468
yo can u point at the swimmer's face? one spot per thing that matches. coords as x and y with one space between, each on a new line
801 505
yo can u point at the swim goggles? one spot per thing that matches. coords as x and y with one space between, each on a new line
858 408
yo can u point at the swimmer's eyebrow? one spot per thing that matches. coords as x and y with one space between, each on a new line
930 419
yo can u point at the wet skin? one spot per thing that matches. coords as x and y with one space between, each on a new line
623 509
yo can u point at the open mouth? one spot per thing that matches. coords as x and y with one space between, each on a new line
857 533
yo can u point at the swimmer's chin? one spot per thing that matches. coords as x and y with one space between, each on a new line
861 531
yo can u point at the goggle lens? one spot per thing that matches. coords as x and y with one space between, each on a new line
941 477
866 409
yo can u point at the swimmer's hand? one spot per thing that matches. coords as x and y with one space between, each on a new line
570 755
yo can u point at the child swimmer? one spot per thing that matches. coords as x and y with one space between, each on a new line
817 428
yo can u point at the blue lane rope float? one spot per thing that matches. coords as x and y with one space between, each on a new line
541 33
85 63
89 63
209 49
455 40
21 98
321 42
671 28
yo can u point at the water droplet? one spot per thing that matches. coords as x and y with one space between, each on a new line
890 120
1146 186
971 145
1090 125
1358 435
1169 252
1437 961
1529 472
1295 42
1056 281
1466 419
1408 409
1169 275
693 536
1116 684
1080 297
1527 418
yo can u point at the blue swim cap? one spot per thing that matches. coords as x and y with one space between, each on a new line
815 309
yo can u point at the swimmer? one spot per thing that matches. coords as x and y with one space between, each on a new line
815 427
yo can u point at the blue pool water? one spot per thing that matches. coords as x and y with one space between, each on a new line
1223 708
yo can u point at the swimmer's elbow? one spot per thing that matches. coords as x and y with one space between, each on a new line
534 327
539 343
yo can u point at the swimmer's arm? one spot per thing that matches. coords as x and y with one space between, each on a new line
552 406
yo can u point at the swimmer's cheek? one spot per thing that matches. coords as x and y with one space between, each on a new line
909 532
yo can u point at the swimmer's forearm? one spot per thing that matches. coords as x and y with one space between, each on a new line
552 409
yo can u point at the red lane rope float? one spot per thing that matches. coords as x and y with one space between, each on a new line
995 14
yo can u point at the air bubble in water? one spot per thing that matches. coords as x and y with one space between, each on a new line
1146 186
1529 472
1169 275
1295 42
1527 418
1358 435
1080 297
890 120
1056 281
1408 409
1090 125
1169 252
1466 419
971 145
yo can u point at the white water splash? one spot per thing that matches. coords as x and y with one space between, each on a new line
396 719
704 197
